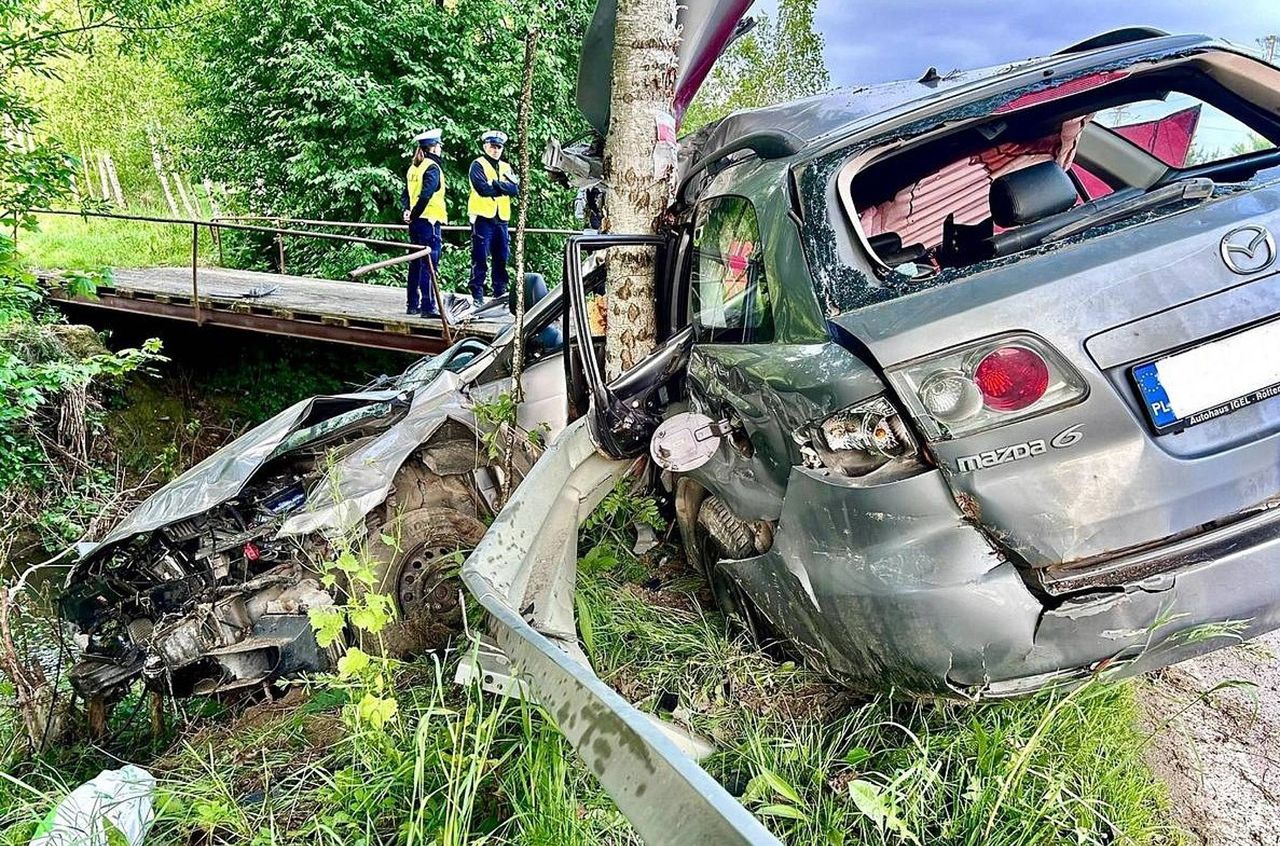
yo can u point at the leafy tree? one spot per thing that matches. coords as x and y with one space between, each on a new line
307 108
776 61
44 383
117 97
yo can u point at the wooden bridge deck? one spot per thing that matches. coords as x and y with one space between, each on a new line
321 309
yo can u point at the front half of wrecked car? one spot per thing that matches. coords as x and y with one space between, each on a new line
206 587
1040 435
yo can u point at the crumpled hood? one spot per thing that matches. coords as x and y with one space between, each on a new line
224 474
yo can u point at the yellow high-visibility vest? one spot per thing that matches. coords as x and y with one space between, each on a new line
499 207
435 211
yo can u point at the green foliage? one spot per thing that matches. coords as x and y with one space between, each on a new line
493 416
308 108
612 523
38 372
90 244
820 766
778 60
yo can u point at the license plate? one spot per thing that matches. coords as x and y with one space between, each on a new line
1211 380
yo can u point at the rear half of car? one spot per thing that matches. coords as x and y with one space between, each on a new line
1076 308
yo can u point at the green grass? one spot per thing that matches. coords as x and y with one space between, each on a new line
74 243
817 765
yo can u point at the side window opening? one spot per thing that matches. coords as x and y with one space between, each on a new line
729 293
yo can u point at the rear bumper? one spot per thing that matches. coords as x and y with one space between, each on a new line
903 592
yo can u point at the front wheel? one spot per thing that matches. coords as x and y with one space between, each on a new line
420 571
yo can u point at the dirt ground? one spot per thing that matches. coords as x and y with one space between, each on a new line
1219 752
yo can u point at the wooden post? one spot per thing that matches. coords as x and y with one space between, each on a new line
280 245
195 263
435 291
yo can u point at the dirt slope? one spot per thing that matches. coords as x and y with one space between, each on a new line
1220 752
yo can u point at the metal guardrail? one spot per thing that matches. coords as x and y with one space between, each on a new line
281 228
523 573
350 224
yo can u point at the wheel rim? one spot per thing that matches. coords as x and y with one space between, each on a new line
424 586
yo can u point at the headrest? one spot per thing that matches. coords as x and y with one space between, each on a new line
535 288
1031 194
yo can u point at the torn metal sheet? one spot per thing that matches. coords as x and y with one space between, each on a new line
523 572
222 475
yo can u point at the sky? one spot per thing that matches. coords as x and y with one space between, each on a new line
878 40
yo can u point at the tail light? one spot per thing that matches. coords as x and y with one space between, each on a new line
857 440
987 384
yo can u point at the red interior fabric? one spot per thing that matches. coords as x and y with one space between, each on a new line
1168 139
917 211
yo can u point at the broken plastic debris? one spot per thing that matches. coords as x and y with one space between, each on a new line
645 539
120 797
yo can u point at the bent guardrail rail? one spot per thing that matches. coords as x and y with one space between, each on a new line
523 573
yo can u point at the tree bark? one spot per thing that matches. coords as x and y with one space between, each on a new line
182 192
158 164
115 181
639 189
102 178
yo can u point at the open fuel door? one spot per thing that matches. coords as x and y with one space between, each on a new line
622 414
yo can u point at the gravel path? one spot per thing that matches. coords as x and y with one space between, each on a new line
1219 752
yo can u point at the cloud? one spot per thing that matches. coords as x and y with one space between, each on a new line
878 40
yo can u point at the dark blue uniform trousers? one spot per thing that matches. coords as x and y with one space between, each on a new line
488 238
423 233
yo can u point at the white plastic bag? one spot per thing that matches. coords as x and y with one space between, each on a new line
121 797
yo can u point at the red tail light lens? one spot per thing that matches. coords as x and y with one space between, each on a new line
1011 378
986 384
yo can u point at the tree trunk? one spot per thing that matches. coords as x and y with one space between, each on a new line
213 201
102 178
182 192
114 179
158 164
640 183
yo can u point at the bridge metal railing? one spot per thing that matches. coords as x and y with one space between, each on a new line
349 224
280 228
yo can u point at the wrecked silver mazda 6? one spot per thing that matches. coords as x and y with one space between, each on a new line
206 587
977 374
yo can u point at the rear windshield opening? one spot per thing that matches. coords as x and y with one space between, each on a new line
1051 164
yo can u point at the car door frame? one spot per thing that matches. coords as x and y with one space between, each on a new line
624 413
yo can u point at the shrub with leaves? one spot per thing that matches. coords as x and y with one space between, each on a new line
308 108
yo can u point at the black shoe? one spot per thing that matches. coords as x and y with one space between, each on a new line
430 314
413 311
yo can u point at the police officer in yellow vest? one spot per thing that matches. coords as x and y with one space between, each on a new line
493 184
424 212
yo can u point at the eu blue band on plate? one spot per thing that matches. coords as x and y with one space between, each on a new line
1153 394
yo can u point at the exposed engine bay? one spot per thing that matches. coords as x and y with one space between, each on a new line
207 588
206 604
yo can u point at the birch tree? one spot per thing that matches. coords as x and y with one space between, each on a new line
640 184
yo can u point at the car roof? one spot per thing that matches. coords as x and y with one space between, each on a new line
841 112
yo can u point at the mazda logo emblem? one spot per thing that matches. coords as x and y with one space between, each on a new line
1248 249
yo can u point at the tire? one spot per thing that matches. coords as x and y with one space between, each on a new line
421 574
